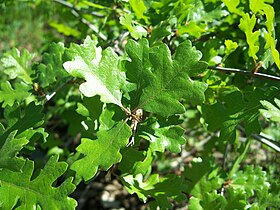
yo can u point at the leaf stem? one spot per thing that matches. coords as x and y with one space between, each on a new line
248 73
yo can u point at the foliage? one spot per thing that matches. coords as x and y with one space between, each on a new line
129 91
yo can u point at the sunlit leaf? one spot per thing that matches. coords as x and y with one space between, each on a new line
17 65
100 70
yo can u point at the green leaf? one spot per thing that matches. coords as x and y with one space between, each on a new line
235 107
230 46
103 152
252 181
211 200
247 25
9 151
136 162
37 193
30 119
51 70
139 8
165 138
160 32
161 189
17 65
192 29
162 81
136 30
232 6
236 199
66 30
100 70
271 43
271 112
9 96
202 177
194 204
260 6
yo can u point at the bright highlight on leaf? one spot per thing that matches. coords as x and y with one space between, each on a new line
165 138
271 111
232 6
136 31
17 65
247 25
230 46
261 6
100 70
139 8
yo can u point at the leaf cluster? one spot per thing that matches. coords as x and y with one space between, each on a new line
145 110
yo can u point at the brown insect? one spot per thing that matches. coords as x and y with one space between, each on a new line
135 117
38 90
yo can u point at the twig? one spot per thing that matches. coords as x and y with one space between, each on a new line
248 73
76 13
263 139
266 141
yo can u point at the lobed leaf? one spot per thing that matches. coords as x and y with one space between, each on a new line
9 96
25 123
165 137
51 70
260 6
271 112
38 193
232 6
17 65
9 151
136 162
271 43
101 153
247 25
161 189
230 46
139 8
162 81
100 70
136 31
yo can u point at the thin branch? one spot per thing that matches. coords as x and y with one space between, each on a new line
248 73
263 139
76 13
266 141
